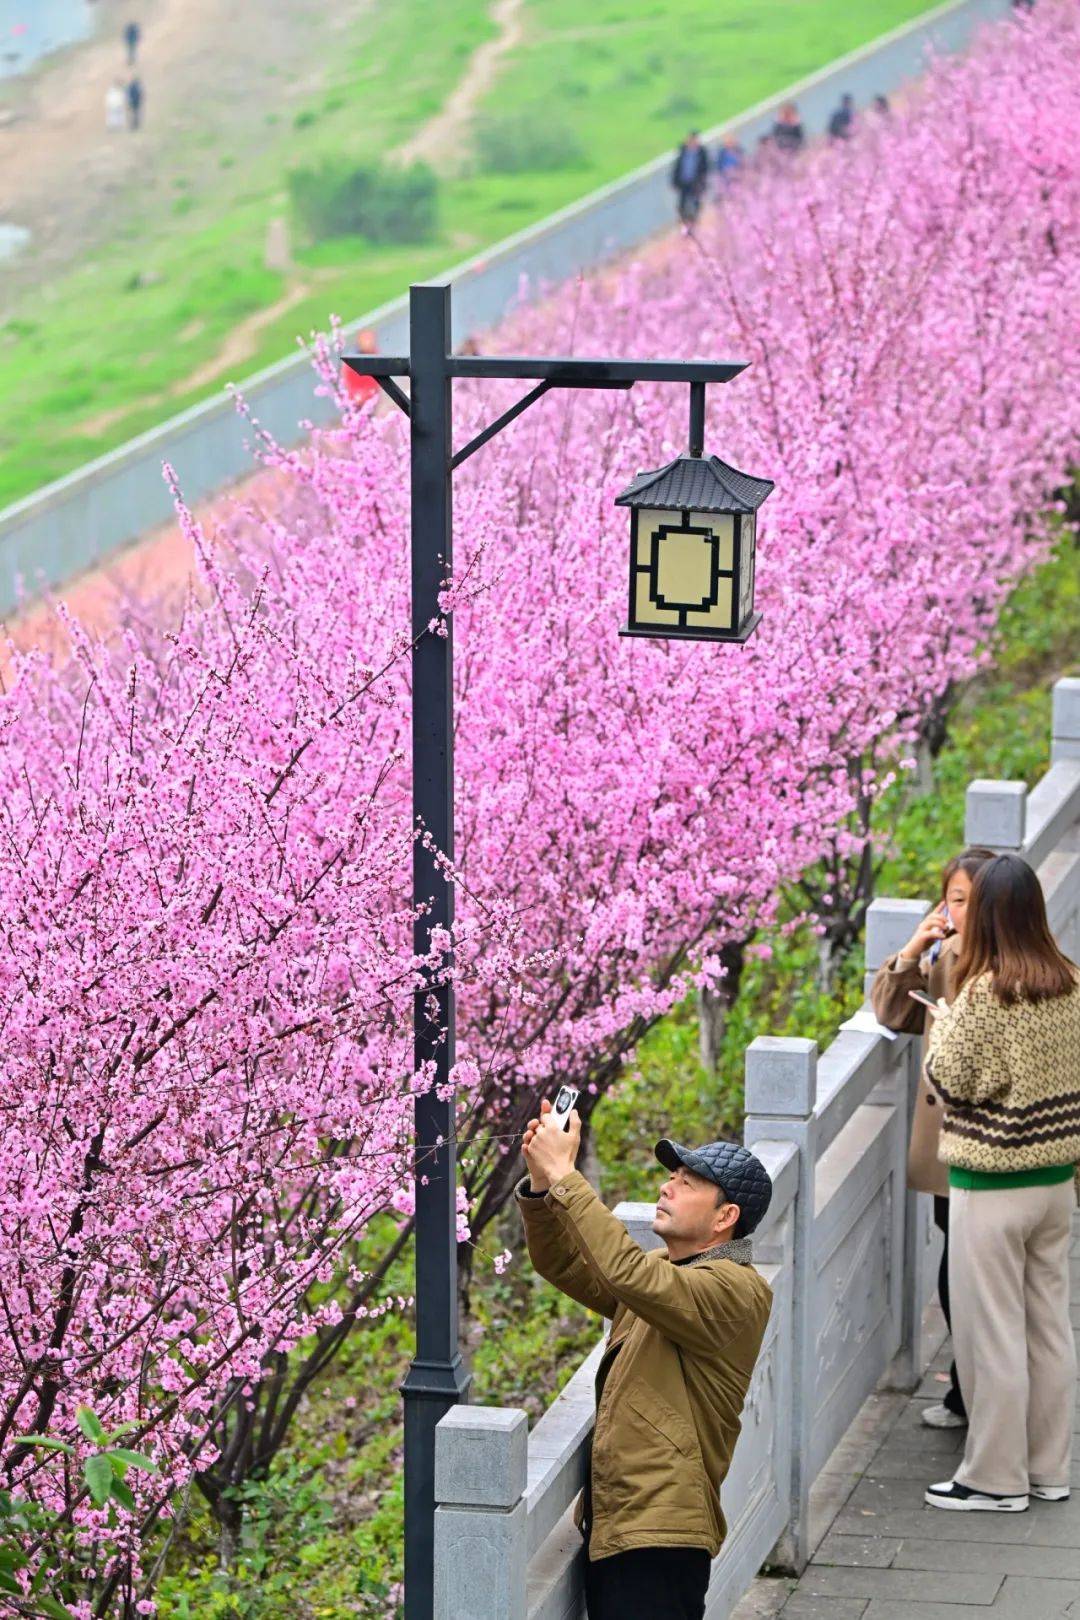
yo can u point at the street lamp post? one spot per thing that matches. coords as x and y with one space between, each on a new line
437 1378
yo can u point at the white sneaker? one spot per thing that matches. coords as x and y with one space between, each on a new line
1050 1493
942 1417
963 1499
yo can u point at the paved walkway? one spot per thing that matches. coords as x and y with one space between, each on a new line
886 1556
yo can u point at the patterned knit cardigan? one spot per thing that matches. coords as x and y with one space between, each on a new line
1010 1080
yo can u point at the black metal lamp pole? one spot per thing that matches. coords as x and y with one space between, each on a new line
437 1378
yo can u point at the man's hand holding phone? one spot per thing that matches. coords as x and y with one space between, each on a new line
550 1145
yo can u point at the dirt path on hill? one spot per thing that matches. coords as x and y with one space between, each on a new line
445 137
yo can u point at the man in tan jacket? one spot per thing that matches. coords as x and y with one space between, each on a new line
687 1325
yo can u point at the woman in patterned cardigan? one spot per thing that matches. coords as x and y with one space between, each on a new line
1005 1059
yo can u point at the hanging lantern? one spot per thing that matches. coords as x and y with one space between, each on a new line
692 540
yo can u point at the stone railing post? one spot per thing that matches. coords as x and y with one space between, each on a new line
481 1525
1065 730
994 814
890 923
638 1219
889 926
781 1089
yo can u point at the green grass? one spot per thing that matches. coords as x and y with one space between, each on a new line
327 1541
93 357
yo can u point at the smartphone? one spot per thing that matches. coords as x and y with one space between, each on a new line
561 1107
927 1001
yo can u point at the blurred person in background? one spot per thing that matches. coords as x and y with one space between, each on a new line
788 135
729 162
842 121
359 389
688 176
1005 1060
116 105
135 100
928 963
131 41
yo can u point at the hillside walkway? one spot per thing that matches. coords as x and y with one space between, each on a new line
886 1556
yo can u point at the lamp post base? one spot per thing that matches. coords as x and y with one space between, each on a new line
430 1389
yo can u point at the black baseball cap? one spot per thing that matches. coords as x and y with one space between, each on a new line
741 1177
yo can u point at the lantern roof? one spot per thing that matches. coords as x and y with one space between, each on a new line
697 484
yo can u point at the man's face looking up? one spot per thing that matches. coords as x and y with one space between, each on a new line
693 1214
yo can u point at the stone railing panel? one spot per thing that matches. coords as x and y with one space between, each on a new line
858 1269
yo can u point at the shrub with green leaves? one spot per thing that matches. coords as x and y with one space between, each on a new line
344 198
528 138
35 1586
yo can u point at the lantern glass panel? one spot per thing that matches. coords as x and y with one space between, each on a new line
684 571
746 566
646 612
648 522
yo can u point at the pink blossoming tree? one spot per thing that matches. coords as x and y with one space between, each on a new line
205 859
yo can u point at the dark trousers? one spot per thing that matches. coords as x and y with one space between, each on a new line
648 1583
954 1400
689 203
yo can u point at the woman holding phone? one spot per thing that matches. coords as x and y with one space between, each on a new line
1005 1060
927 964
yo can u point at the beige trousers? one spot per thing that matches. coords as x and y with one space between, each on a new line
1012 1337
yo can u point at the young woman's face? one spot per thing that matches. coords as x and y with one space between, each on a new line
957 896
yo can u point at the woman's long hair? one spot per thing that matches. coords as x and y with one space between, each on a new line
1007 935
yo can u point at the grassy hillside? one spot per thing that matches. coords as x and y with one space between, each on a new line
178 300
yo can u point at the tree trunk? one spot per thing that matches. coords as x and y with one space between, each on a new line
828 957
714 1006
230 1520
588 1163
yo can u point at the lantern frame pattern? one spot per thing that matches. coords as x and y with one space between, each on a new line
679 589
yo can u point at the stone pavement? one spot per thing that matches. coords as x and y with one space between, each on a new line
886 1556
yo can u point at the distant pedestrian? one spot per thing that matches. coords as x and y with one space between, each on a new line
1005 1060
358 388
881 105
688 176
765 151
842 122
788 135
116 105
135 102
131 40
729 162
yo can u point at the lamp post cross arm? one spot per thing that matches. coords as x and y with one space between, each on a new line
556 373
594 373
